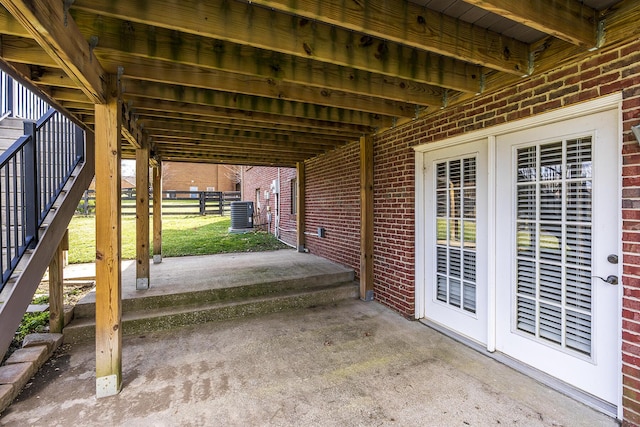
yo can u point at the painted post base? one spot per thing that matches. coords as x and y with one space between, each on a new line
142 283
107 386
368 296
157 259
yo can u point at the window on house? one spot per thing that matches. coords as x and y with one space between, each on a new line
257 198
294 196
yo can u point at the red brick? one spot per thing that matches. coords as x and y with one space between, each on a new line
547 106
559 75
599 59
628 325
564 91
631 348
631 413
631 382
260 179
630 48
534 101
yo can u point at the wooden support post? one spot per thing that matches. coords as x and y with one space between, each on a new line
108 122
142 216
366 218
56 286
300 206
157 213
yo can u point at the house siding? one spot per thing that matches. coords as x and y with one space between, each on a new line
333 194
182 176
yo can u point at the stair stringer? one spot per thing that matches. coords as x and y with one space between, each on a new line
35 262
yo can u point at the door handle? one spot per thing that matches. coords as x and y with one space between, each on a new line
611 279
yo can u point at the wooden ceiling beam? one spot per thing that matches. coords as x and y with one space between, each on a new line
242 145
26 51
139 69
54 78
164 44
10 24
213 130
569 20
131 130
51 26
551 53
235 158
84 108
410 24
173 110
193 99
251 25
73 95
23 50
229 142
162 120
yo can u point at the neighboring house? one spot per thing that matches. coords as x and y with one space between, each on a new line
178 176
127 184
273 193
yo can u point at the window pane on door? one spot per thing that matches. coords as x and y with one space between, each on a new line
553 298
455 203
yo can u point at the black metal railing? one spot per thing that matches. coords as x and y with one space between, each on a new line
33 171
18 101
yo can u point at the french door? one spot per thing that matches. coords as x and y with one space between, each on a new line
520 252
557 189
456 296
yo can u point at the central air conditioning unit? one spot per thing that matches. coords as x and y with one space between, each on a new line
241 216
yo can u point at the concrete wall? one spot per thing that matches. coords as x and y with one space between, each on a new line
333 185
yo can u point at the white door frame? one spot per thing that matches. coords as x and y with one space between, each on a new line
613 101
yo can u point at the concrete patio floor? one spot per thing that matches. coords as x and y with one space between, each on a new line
351 364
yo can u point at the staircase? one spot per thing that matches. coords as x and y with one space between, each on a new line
45 166
257 284
11 129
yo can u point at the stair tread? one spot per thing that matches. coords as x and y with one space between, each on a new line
213 305
301 282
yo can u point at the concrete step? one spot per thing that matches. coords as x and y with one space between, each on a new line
12 123
144 320
216 293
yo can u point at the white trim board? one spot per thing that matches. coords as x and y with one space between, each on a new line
600 104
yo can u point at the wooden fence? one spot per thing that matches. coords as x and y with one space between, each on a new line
173 202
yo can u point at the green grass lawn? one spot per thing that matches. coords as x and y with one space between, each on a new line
181 236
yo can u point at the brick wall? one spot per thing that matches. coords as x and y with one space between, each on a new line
333 202
258 179
333 184
629 82
394 220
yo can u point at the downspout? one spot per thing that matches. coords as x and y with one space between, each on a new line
276 227
241 182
